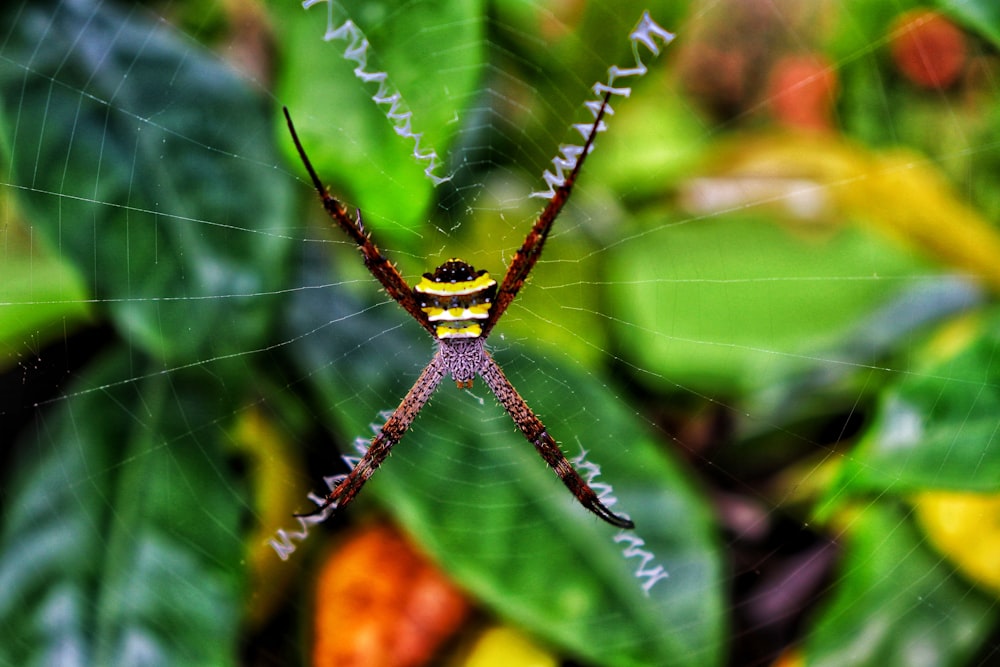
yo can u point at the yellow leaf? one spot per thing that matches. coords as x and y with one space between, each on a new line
273 471
790 658
901 193
911 199
504 646
966 528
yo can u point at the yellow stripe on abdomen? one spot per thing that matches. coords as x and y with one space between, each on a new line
456 295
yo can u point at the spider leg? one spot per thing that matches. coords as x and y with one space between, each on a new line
376 263
531 249
534 430
391 433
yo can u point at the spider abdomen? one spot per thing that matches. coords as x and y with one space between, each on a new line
455 297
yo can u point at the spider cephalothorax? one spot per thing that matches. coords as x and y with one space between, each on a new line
458 306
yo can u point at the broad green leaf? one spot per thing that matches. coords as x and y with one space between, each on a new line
983 16
484 504
894 602
434 54
708 302
797 389
111 563
147 165
653 140
40 297
936 425
708 305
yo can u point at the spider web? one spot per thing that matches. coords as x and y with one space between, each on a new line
772 347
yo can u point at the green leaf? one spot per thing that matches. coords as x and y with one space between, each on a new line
111 563
709 306
652 140
130 174
796 388
482 502
349 138
895 602
579 583
936 425
982 16
40 296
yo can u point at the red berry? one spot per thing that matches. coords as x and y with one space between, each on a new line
928 49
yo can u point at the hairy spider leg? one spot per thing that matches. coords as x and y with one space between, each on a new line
376 263
531 249
534 430
390 434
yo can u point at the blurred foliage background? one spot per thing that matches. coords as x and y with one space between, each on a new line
768 313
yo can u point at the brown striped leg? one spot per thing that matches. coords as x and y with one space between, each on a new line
531 249
380 267
392 432
534 430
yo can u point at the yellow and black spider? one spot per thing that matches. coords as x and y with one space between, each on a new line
459 307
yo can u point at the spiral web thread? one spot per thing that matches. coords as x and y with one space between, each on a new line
647 570
398 113
283 543
646 32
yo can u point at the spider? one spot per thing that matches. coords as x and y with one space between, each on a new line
458 306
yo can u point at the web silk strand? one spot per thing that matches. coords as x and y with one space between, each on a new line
648 571
646 33
398 112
